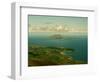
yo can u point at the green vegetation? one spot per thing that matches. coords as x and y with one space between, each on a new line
43 56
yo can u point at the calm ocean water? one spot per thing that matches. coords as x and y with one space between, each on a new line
76 41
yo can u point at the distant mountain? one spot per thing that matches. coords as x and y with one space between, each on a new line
57 36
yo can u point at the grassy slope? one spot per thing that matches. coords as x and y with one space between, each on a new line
43 56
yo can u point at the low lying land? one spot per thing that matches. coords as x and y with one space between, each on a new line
44 56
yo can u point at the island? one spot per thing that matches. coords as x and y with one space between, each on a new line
45 56
57 36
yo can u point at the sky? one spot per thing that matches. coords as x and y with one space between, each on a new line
56 21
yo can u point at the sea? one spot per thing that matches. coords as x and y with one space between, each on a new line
77 41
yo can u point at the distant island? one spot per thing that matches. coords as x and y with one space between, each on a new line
57 36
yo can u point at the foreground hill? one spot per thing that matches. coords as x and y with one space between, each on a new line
44 56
